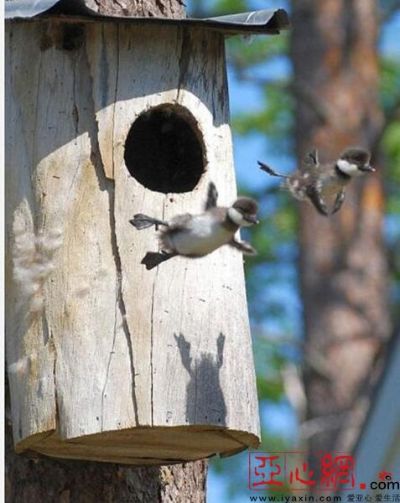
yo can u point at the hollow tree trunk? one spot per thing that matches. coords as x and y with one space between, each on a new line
50 480
343 273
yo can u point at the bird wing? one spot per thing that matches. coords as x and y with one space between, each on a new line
310 162
313 156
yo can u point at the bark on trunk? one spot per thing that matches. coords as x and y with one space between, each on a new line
139 8
343 271
61 481
48 480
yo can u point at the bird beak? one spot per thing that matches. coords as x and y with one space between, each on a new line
367 167
251 218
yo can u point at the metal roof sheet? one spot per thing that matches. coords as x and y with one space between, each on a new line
261 21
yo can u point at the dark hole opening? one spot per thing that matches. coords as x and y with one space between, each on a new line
164 151
73 37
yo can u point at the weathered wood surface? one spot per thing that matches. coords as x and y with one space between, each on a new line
98 348
170 9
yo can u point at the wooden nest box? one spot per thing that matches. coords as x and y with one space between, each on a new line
108 117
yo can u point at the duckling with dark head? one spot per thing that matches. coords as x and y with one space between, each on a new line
322 183
195 236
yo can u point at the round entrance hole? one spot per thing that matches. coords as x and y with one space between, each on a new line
164 151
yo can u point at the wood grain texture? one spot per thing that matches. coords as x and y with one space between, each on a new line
129 364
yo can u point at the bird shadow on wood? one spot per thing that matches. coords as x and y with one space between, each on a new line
205 401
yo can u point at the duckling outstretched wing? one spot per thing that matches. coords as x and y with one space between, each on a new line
310 163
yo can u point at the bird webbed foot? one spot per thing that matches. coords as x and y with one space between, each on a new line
243 246
316 199
338 202
153 259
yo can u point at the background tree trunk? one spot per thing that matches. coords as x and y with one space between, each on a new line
51 480
343 271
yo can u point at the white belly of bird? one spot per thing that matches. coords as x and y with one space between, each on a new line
202 237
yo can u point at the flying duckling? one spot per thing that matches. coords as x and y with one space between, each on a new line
320 183
198 235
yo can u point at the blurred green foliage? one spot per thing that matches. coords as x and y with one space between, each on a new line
390 146
390 99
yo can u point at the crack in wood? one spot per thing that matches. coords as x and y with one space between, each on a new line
75 111
115 100
184 60
53 349
109 365
120 299
75 115
130 349
109 187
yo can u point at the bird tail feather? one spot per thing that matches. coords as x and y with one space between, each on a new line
141 221
269 170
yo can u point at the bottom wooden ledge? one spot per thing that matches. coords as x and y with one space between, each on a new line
143 445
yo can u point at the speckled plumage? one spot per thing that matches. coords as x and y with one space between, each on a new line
324 184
